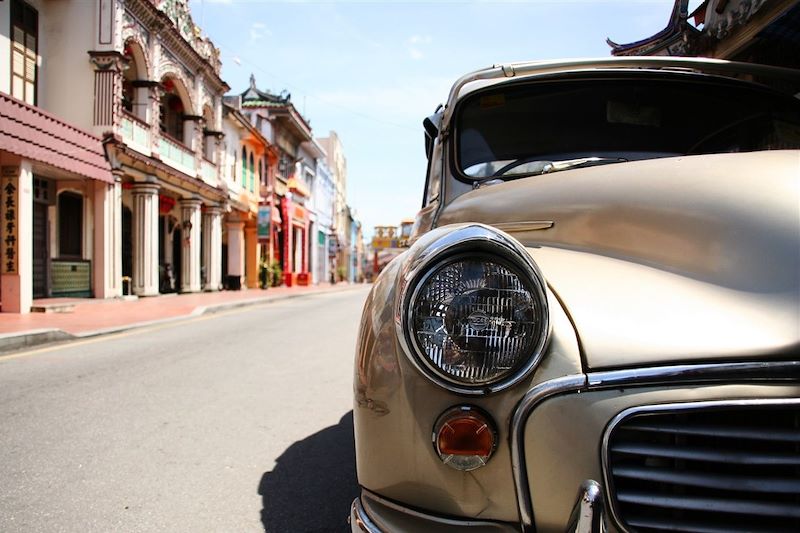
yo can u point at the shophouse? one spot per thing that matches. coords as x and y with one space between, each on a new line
341 230
311 155
322 196
288 131
60 199
356 271
139 75
248 160
157 89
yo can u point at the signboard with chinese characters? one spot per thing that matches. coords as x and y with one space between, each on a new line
263 222
384 237
9 217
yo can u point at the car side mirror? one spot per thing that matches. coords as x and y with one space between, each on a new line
431 125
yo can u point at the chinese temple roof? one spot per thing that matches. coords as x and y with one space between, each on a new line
282 108
254 97
672 40
759 31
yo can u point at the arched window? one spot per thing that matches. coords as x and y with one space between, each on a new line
171 111
245 179
134 96
129 75
252 173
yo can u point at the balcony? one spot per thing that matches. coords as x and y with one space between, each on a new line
208 171
176 155
135 133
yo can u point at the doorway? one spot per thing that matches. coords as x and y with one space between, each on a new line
41 255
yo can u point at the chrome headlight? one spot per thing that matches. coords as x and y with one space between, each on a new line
476 313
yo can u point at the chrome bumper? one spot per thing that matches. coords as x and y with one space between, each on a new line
360 521
587 516
370 513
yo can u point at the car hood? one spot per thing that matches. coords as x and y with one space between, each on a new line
669 260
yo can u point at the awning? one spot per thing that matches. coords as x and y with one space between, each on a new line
34 134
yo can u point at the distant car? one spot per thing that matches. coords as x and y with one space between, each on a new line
597 326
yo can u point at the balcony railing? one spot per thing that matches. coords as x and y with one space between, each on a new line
208 171
135 133
176 155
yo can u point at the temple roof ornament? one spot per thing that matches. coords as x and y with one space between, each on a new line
722 29
677 38
254 97
178 12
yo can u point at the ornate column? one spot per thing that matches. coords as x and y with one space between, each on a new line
108 66
145 238
107 260
212 248
190 253
235 253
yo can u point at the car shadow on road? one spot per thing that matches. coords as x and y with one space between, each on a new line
313 483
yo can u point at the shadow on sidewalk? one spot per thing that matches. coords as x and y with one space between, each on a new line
313 483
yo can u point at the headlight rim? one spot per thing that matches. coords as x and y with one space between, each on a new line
472 239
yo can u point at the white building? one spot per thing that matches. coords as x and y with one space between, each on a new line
139 75
322 197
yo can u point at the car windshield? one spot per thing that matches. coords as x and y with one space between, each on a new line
529 128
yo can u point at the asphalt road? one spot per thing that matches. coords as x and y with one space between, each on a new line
240 421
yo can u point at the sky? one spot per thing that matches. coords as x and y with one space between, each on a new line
372 70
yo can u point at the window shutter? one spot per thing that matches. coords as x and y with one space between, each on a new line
24 52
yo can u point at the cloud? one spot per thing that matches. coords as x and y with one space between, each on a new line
415 43
258 31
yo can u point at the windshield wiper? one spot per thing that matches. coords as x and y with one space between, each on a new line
555 166
542 167
545 167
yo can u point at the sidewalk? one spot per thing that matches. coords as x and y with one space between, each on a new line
96 317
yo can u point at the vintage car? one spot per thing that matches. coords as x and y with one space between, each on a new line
597 326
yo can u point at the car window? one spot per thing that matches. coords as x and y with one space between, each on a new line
520 129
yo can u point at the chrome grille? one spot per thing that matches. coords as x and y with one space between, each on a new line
706 467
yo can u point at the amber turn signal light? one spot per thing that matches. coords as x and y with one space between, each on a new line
464 437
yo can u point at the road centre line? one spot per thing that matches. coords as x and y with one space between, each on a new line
172 322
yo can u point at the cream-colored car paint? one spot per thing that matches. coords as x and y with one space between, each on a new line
672 260
563 434
642 251
395 403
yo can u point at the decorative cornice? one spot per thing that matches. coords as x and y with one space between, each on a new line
108 60
197 52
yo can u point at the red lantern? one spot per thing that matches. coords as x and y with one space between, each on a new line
165 204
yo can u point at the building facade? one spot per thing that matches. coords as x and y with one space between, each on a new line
60 198
248 161
341 231
322 196
123 172
276 118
